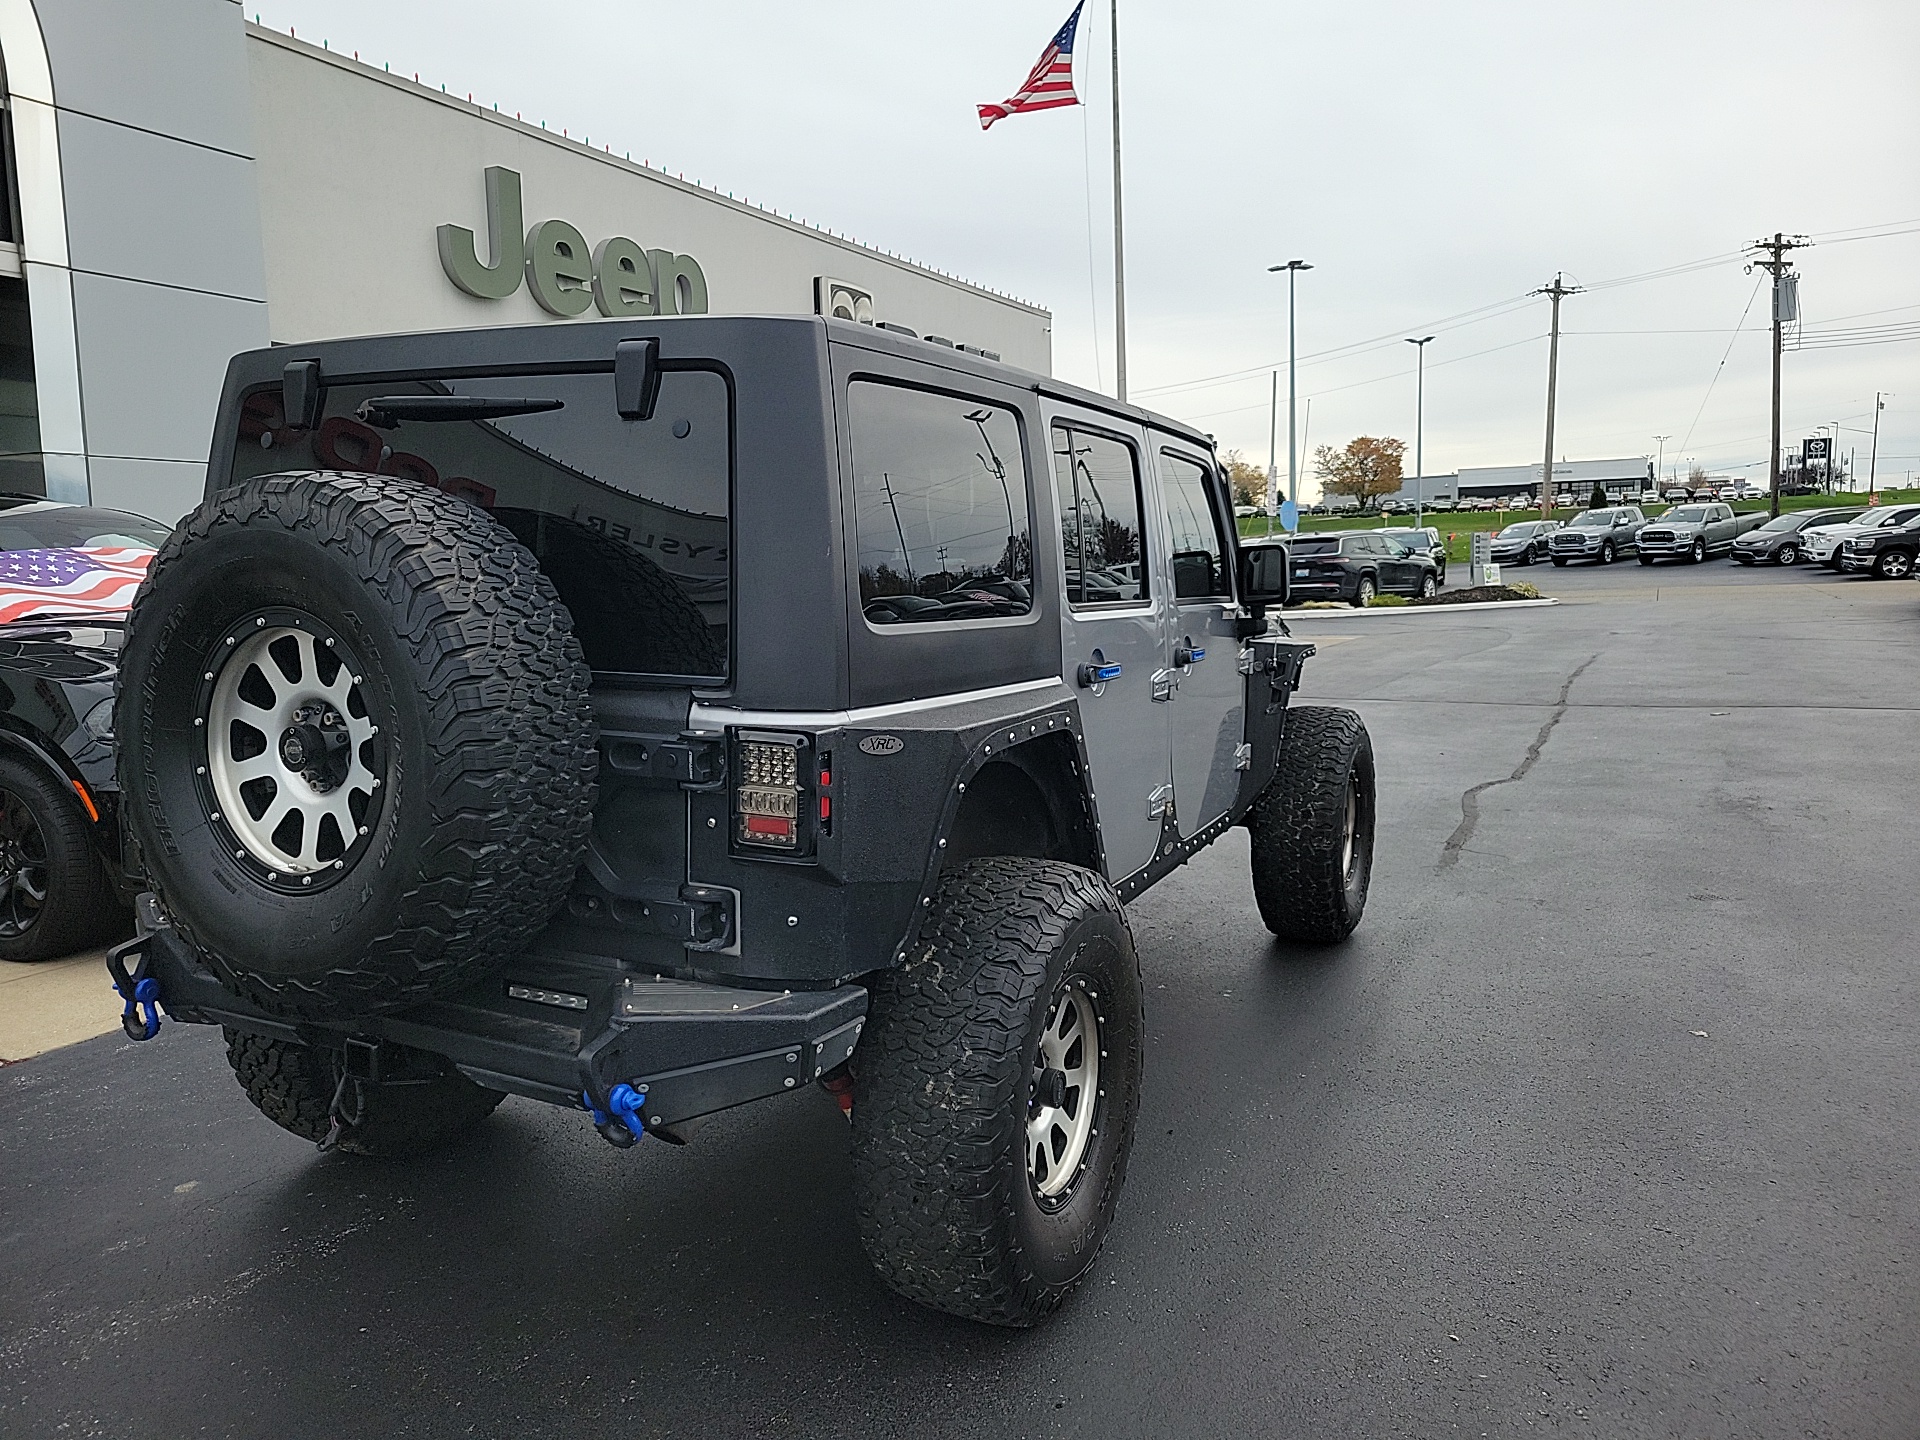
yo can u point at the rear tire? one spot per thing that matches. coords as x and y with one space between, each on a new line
54 894
294 1085
979 1188
1363 592
1313 828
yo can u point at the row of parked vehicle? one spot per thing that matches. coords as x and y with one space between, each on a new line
1355 565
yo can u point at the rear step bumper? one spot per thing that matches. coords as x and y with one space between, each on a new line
554 1030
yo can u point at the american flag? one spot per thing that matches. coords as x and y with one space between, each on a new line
1051 83
70 581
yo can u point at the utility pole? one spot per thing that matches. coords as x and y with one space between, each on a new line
1293 269
1420 433
1660 479
1785 308
1557 291
1273 451
1873 455
1119 233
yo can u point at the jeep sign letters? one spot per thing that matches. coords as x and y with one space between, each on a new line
618 276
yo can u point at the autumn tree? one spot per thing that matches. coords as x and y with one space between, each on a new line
1249 481
1368 468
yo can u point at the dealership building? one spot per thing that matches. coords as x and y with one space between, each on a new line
183 184
1625 479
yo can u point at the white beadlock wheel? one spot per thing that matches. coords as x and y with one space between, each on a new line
1066 1088
291 749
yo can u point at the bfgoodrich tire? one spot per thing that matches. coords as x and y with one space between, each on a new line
354 741
995 1091
1313 828
294 1086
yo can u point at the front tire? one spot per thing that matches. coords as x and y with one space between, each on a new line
54 894
294 1086
1646 560
1698 554
1559 562
1788 555
989 1152
1313 828
1606 552
1892 565
1429 587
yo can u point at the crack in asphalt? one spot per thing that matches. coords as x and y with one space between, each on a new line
1470 798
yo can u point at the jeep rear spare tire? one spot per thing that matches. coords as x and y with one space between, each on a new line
355 741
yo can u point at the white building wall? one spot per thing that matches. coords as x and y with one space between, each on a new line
361 167
142 251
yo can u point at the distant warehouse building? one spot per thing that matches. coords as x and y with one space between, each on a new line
1573 481
180 185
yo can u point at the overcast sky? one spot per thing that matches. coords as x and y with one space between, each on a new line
1431 161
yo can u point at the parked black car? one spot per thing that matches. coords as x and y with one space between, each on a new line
1779 539
1423 541
1889 554
1524 542
67 576
1356 565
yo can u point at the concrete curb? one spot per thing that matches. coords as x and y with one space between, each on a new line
1292 615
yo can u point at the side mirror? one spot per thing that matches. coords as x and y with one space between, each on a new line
1263 575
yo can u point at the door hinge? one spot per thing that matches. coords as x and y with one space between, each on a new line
1243 757
1160 802
1165 682
696 761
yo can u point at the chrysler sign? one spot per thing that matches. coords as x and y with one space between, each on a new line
617 276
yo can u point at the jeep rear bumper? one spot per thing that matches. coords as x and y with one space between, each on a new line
556 1030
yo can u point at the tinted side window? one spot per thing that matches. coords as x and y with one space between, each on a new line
1098 486
629 519
940 506
1199 551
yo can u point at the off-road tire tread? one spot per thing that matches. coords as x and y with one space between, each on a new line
511 783
1297 825
939 1071
293 1086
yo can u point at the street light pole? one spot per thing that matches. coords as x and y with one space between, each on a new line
1293 268
1420 432
1659 475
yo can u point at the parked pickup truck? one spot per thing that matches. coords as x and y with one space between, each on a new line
1693 532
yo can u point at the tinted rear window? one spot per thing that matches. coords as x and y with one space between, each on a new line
940 506
629 519
1316 547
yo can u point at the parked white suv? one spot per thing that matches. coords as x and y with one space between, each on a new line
1823 542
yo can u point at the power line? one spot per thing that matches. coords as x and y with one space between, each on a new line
1723 364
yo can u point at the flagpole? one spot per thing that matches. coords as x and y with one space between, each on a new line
1119 239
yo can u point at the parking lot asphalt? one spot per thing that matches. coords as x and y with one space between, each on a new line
1604 1124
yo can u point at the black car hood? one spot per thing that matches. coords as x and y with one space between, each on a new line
68 650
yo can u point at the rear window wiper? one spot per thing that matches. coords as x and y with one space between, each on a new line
385 412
